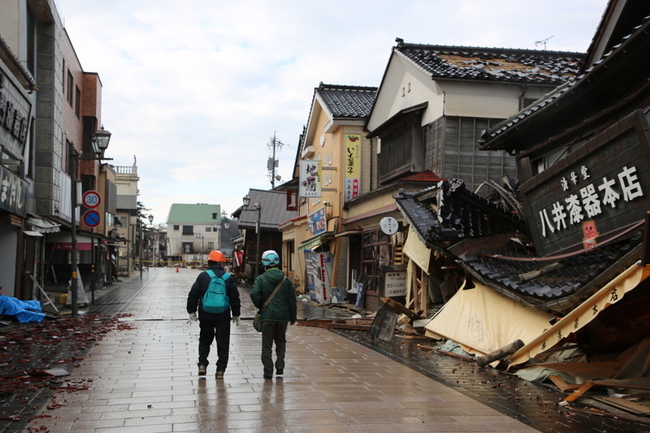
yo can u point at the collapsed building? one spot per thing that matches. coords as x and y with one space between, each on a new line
556 261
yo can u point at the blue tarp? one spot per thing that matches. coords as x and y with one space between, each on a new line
25 311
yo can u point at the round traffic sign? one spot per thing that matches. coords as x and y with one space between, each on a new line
91 218
91 199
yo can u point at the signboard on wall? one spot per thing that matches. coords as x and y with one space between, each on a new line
13 192
395 283
15 115
292 199
319 271
317 221
595 190
352 167
310 178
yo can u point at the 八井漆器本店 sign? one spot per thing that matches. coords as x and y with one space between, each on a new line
596 190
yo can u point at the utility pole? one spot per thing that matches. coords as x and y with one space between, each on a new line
273 162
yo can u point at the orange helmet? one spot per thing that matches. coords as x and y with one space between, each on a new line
216 256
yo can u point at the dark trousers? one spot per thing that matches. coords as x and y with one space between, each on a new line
208 332
273 332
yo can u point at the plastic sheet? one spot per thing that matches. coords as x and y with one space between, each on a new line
24 311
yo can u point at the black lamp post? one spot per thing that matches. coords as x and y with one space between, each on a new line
258 209
99 144
151 238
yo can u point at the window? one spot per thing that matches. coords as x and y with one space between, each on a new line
188 247
77 104
70 94
188 230
71 165
176 227
377 252
208 229
215 216
397 147
210 246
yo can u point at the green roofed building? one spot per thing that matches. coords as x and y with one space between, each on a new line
193 230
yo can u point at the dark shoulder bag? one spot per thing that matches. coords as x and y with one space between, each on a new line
257 321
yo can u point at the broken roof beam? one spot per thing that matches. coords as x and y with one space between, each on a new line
398 308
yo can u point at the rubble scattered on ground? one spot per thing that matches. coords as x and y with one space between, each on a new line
34 356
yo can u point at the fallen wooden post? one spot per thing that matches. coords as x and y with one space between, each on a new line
444 352
498 354
398 308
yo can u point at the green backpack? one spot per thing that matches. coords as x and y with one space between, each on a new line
215 300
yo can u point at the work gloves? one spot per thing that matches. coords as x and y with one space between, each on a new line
192 318
235 320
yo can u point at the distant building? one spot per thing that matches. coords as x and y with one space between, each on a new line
126 180
193 230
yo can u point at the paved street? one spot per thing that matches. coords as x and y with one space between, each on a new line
144 380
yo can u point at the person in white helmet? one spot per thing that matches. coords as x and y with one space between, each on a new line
277 315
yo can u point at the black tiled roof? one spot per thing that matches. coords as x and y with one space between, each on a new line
557 278
347 101
461 214
493 64
545 101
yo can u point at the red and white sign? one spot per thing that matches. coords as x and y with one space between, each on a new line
91 199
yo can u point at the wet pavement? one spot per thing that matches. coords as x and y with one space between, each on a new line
142 378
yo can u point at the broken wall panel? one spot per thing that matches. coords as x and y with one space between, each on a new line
483 320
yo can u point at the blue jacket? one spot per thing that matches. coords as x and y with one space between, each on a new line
199 288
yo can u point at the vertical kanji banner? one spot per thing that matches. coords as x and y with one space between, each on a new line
352 166
310 178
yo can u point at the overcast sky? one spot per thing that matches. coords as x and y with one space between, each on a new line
196 89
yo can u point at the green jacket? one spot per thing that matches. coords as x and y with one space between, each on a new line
282 307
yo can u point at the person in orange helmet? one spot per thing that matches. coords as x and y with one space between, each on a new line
214 324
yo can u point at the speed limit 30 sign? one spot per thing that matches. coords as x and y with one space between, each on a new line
91 199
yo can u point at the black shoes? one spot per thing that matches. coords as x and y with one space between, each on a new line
202 370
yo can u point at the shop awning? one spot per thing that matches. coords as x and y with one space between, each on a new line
610 294
348 233
468 315
63 241
43 225
314 242
32 233
415 249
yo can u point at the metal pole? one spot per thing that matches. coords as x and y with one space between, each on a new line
73 235
141 246
257 250
92 265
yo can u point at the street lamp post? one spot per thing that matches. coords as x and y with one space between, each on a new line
99 144
200 235
258 209
153 247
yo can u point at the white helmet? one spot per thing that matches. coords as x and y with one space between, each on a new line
270 257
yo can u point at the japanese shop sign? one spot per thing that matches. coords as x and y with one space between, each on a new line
15 114
318 270
13 192
599 189
310 178
395 283
352 166
317 221
292 199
